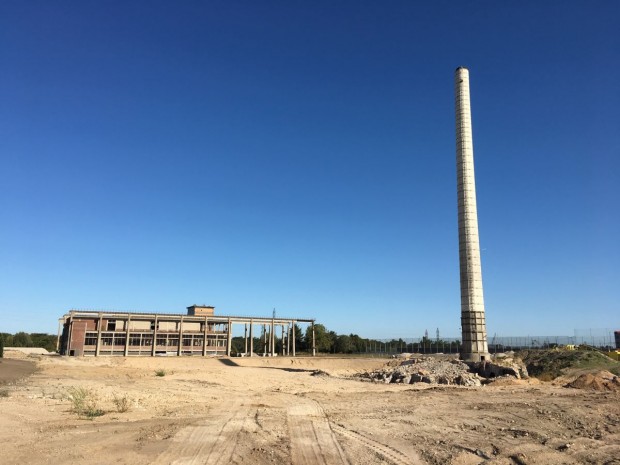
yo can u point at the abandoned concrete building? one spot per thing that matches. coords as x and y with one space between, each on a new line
199 332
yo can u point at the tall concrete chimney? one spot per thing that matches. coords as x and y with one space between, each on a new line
473 323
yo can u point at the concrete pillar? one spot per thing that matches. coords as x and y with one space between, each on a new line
265 342
229 342
283 344
180 348
98 347
206 335
288 339
272 338
154 348
60 326
126 335
245 339
294 336
251 338
313 342
70 333
473 322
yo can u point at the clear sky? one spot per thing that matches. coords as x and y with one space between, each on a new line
301 156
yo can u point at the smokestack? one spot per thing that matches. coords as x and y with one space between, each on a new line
474 348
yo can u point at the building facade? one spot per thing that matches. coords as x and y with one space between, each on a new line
199 332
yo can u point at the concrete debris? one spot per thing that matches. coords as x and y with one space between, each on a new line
428 370
448 371
505 364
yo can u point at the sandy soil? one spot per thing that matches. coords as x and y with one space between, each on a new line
263 411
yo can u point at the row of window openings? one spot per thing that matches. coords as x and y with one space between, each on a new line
113 325
148 341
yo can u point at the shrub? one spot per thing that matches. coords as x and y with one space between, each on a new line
160 373
4 393
1 346
122 403
84 402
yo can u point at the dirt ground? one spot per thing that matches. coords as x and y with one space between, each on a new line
284 411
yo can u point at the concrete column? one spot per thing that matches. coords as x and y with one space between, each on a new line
229 342
154 348
251 338
206 334
273 338
245 340
99 323
294 336
265 343
313 342
179 349
288 339
283 345
473 322
70 333
60 325
126 335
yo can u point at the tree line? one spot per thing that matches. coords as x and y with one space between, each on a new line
326 342
329 342
22 339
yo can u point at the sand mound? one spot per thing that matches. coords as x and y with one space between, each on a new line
14 352
599 381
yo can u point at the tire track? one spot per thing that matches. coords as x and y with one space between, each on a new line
389 453
312 440
213 441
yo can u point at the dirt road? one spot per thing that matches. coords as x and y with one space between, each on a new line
265 411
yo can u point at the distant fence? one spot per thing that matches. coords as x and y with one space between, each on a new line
600 338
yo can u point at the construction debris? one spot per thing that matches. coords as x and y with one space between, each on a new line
449 371
425 370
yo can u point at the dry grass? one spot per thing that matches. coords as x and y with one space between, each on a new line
84 402
122 403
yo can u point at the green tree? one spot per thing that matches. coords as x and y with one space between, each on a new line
238 345
323 342
344 344
300 342
47 341
1 346
22 339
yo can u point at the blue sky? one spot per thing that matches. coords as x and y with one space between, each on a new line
301 156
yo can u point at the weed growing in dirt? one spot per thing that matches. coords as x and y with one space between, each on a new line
84 402
160 372
122 403
4 393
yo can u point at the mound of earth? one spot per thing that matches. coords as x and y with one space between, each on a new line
550 364
13 351
424 370
598 381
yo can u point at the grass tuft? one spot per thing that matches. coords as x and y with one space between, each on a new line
122 403
84 402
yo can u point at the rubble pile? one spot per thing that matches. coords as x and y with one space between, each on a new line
504 364
429 370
